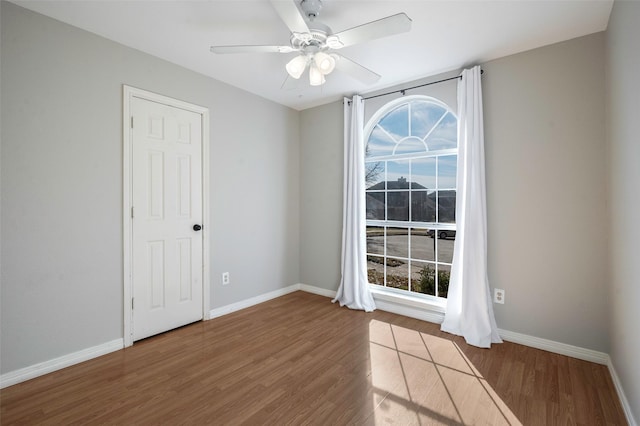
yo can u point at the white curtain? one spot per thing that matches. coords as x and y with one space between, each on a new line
469 310
354 289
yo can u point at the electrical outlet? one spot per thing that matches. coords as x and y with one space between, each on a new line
498 296
225 278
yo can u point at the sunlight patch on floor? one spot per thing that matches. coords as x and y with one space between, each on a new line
422 379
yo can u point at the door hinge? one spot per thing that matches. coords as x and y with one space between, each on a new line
132 299
131 212
132 121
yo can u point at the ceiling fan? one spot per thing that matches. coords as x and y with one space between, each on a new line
316 43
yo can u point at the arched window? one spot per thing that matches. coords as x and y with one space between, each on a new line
410 163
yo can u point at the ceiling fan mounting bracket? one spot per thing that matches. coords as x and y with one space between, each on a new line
311 8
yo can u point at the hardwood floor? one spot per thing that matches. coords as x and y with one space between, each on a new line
299 359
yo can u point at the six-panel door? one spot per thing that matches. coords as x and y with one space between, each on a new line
167 203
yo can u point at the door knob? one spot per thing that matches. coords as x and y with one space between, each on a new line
197 227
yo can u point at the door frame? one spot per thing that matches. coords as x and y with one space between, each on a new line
129 93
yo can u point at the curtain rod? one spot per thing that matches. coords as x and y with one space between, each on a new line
415 87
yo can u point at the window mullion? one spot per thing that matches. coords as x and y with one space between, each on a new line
384 257
435 254
410 218
437 192
409 283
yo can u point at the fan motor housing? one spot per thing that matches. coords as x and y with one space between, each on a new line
317 37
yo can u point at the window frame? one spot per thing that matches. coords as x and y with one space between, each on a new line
410 225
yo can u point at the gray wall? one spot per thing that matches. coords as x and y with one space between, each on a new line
321 156
623 128
62 185
546 191
545 162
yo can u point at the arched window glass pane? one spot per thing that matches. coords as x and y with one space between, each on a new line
424 115
396 122
445 135
379 143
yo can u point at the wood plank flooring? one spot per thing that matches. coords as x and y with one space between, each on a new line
299 359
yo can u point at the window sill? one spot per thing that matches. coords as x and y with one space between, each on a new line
431 310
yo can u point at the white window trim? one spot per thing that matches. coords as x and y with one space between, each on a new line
426 308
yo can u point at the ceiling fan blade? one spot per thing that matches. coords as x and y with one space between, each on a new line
290 15
391 25
356 70
251 49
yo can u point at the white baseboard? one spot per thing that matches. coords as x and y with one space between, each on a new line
42 368
555 347
626 407
317 290
227 309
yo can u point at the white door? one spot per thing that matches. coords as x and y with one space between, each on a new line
167 211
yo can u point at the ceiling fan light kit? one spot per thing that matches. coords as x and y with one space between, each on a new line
316 78
314 41
296 66
326 63
320 64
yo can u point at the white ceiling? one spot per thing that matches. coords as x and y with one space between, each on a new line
446 35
